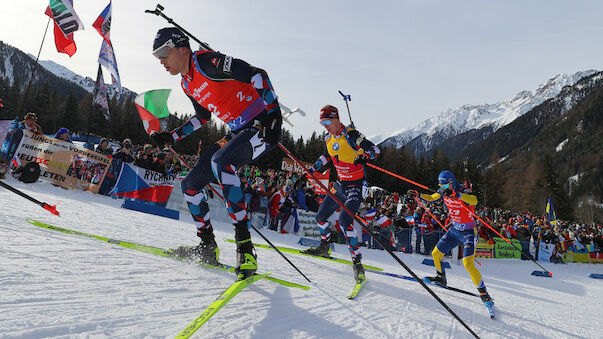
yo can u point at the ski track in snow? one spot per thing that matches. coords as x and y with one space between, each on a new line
64 286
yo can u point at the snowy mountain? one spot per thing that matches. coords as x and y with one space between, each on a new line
490 117
16 66
86 83
57 285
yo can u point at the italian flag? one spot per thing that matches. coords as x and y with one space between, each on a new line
152 107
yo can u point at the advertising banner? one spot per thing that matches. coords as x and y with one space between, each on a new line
291 166
483 249
307 224
502 249
63 163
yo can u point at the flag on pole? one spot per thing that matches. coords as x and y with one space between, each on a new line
106 58
103 23
100 95
550 213
370 214
66 22
384 221
152 107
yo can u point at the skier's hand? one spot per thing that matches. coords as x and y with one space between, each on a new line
361 159
412 193
271 128
162 138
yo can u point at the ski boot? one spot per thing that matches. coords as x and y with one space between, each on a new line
322 250
207 251
246 258
439 279
358 270
483 294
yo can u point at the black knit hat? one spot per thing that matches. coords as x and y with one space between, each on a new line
170 33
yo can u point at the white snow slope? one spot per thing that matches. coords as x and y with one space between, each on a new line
64 286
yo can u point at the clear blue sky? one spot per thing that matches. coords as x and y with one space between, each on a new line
402 61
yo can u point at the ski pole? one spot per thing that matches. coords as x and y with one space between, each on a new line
266 239
347 98
179 157
466 208
52 209
158 11
347 210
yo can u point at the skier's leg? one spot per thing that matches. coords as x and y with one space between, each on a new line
243 148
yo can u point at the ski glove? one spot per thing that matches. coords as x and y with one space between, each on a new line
361 159
271 127
162 138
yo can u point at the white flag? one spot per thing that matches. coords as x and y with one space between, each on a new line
107 59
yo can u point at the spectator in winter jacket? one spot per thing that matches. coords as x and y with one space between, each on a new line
63 134
125 153
145 159
277 200
103 147
30 123
159 163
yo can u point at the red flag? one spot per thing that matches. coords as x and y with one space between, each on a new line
64 43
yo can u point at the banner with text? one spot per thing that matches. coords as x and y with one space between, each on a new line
291 166
503 249
139 183
63 163
307 224
484 249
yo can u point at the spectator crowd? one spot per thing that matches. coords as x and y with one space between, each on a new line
272 196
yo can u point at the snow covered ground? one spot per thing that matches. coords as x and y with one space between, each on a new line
63 286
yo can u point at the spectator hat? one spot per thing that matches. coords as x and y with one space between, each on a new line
30 115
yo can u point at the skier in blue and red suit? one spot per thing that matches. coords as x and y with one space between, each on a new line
462 229
242 97
349 150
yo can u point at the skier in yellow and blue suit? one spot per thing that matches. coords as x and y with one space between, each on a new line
348 150
462 230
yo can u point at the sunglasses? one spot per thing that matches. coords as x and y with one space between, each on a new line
163 51
444 185
325 122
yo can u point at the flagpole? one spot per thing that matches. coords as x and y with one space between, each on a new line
34 68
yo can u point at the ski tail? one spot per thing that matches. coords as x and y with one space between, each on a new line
490 306
222 300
